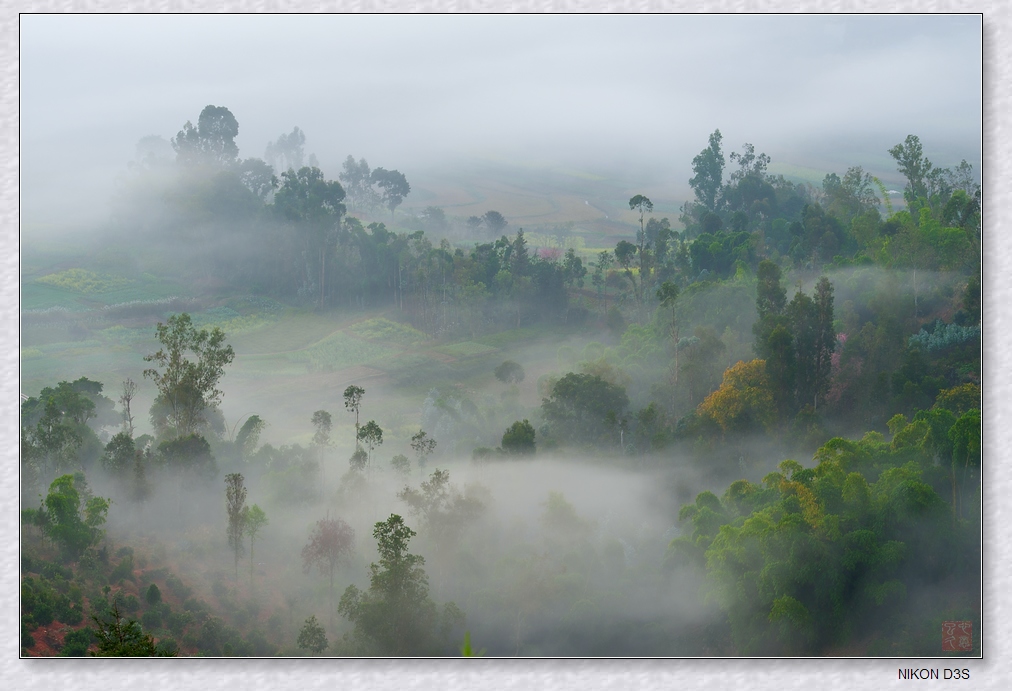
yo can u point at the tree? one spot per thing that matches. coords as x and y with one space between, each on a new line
509 372
129 391
211 142
119 455
422 445
235 506
322 423
249 435
600 276
495 222
708 169
579 406
372 435
910 160
443 509
312 636
744 402
395 616
394 185
253 519
124 638
64 521
287 152
825 338
259 178
667 294
643 205
352 403
329 543
965 436
188 387
357 179
314 205
518 440
401 464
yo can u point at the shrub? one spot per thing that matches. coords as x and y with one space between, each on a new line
153 595
76 643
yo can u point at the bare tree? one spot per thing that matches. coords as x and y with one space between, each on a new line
129 391
331 540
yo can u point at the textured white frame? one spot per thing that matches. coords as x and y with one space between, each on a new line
570 674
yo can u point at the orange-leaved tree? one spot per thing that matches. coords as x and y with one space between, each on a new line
744 402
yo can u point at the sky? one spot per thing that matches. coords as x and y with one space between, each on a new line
634 93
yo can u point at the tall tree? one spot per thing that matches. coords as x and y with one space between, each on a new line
600 277
423 445
235 507
322 423
211 142
395 616
353 403
394 185
188 387
287 152
372 435
330 541
254 519
314 204
771 298
357 179
129 391
643 243
825 338
708 169
909 157
667 294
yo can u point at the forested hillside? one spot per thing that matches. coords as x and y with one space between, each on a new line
750 429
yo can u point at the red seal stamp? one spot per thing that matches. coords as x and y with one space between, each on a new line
957 636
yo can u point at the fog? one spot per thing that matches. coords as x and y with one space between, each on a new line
660 513
627 96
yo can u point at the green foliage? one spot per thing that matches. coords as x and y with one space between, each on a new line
518 439
467 651
235 507
188 387
153 595
579 406
43 602
84 281
119 454
385 331
249 435
811 555
71 521
944 336
312 636
254 519
117 637
77 642
395 616
190 454
509 372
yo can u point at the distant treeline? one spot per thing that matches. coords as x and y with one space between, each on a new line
280 227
